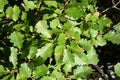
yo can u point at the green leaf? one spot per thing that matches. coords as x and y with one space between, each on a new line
25 71
68 68
100 40
16 12
2 71
82 71
74 47
74 12
113 37
24 16
59 53
2 4
32 52
41 27
93 32
85 44
13 56
68 57
117 69
61 39
40 71
29 5
117 27
81 59
17 39
74 33
51 3
9 12
47 78
58 75
92 56
45 51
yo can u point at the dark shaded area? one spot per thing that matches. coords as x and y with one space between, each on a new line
109 55
112 13
15 2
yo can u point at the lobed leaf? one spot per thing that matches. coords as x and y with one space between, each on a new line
17 39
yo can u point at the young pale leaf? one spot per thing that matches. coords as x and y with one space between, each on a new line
117 69
16 12
61 39
9 12
40 71
24 69
13 56
59 53
17 39
32 52
92 56
41 27
2 4
82 71
45 51
51 3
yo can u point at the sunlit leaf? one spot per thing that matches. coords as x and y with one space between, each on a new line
74 12
29 5
32 52
9 12
59 53
47 78
45 51
16 12
2 4
24 69
51 3
41 27
13 56
92 56
117 69
58 75
17 39
82 71
68 57
40 71
61 39
2 71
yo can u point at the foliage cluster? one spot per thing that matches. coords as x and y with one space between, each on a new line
52 39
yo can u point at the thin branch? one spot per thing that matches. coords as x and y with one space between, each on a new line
114 6
101 72
113 2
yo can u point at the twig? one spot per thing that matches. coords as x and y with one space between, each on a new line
114 6
100 71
